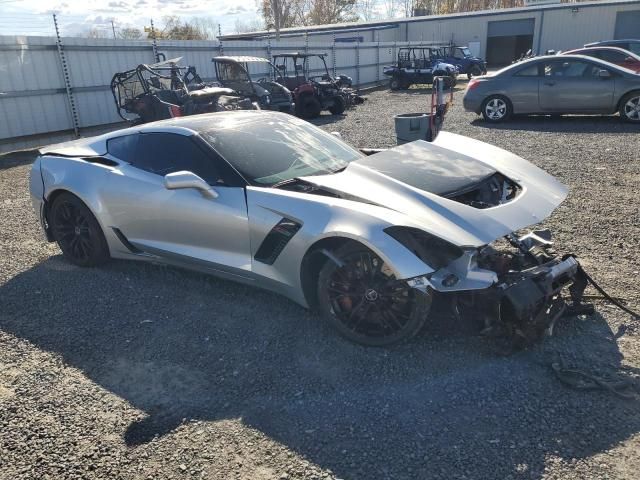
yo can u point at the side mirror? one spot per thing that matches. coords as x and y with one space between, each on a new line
184 179
604 74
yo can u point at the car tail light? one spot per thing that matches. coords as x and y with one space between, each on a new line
175 111
473 83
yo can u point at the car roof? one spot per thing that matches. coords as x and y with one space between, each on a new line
601 47
613 42
564 57
188 126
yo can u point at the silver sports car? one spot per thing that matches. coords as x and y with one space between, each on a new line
270 200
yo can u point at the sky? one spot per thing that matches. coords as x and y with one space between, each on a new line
28 17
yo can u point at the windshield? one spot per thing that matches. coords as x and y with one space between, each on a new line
466 52
274 148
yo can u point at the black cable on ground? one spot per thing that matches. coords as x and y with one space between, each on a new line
607 296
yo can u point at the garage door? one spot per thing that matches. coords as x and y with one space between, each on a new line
508 39
509 28
628 24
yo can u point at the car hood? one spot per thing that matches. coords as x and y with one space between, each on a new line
413 178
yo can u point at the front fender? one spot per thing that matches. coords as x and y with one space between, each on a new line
320 218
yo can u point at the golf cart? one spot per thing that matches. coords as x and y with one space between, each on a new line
419 65
314 93
267 91
155 92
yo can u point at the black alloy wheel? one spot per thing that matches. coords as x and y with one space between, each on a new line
364 301
77 232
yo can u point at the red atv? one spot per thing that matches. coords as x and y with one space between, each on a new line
314 93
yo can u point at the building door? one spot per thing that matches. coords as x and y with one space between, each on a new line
508 40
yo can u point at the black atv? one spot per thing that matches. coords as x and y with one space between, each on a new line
164 90
314 93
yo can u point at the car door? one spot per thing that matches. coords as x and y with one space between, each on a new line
522 88
182 225
574 86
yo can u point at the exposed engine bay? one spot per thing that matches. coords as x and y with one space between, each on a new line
530 293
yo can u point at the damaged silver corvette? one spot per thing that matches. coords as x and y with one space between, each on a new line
270 200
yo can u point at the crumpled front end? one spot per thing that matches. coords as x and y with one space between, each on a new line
519 286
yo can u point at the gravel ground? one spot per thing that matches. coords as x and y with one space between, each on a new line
142 371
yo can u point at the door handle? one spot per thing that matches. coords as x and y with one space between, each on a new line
551 84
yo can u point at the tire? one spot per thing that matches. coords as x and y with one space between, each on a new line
308 107
77 232
496 108
476 71
630 107
363 301
395 84
338 106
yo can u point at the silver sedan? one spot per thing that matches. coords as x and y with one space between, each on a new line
554 85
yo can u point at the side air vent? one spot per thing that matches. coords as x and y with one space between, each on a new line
276 240
125 241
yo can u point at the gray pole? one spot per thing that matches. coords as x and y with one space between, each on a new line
73 112
113 28
154 45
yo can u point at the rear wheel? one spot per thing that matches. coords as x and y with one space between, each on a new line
475 71
496 108
77 232
630 107
363 300
338 105
308 106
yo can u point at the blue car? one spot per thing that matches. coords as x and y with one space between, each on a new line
462 58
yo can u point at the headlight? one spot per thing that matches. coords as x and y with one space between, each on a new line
432 250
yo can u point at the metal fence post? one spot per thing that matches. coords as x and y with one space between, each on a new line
73 112
333 55
378 61
358 65
268 49
154 45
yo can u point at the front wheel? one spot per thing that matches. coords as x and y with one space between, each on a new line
395 83
338 106
496 108
308 107
630 107
361 298
77 232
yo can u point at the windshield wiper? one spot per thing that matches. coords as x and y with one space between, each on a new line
338 170
286 182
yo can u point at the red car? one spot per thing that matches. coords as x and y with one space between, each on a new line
615 55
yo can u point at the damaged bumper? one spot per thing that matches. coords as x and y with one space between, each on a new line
519 293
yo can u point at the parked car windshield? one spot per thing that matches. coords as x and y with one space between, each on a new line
274 148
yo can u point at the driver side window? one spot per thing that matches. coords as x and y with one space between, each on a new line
163 153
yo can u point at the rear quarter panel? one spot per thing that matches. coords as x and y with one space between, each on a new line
84 180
